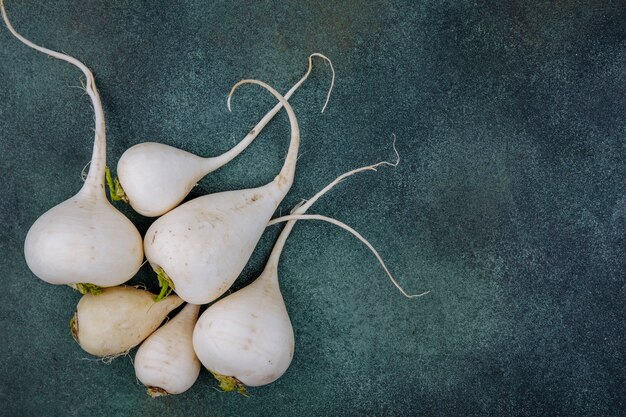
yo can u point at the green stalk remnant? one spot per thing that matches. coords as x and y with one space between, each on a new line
165 282
84 288
115 188
230 383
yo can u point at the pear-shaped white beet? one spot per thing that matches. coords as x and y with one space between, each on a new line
246 338
204 244
157 177
165 362
151 194
118 319
247 335
84 239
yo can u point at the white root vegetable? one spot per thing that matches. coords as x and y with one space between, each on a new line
155 177
83 239
118 319
246 338
204 244
166 362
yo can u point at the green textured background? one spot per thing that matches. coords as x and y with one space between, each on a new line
509 203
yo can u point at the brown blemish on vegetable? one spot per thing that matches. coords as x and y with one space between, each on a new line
255 197
252 132
156 392
74 326
208 217
154 237
282 180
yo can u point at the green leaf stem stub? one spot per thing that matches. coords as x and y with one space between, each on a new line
165 282
86 288
230 383
115 188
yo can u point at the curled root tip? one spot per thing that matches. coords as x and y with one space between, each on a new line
236 86
417 295
83 173
332 81
228 102
395 164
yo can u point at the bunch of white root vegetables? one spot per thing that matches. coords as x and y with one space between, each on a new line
197 249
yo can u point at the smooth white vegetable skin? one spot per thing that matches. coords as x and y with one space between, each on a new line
84 240
166 361
157 177
119 319
204 244
247 335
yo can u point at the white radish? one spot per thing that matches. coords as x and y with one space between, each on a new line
118 319
83 239
165 362
246 338
155 177
204 244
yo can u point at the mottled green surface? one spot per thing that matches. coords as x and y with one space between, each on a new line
509 203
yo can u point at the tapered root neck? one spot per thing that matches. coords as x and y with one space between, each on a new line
94 184
294 217
285 178
282 238
298 214
213 163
